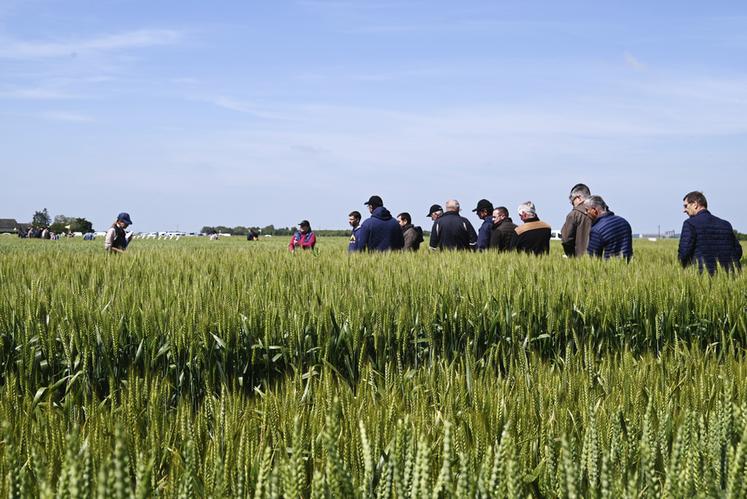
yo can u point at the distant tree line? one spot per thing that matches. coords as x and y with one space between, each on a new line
271 230
240 230
61 223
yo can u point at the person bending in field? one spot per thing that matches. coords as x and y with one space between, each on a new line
304 238
533 236
610 234
706 239
117 240
380 232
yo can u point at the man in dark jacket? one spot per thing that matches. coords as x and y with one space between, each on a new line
533 236
610 234
706 239
453 231
413 235
380 232
575 231
484 211
503 230
354 219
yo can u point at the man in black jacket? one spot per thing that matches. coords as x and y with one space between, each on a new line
503 230
453 231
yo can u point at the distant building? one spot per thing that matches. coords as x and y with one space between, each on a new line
8 226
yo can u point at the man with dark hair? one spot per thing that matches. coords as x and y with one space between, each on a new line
575 231
503 229
533 236
380 232
610 234
354 219
707 239
453 231
413 235
484 212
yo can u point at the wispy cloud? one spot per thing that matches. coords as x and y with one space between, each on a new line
35 94
16 49
241 106
633 62
67 116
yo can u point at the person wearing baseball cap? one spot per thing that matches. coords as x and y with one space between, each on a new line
380 232
435 212
484 211
304 238
117 240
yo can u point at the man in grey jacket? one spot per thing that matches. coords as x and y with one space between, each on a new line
577 226
413 235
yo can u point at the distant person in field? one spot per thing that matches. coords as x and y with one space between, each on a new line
303 238
533 236
354 219
575 232
502 231
452 231
484 211
117 240
379 232
610 234
707 240
412 235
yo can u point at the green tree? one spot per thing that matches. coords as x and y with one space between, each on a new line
41 218
72 224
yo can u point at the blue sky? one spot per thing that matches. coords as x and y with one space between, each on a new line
198 113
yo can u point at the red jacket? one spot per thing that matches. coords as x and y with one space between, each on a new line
305 241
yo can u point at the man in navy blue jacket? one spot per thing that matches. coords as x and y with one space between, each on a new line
706 239
610 234
484 211
380 232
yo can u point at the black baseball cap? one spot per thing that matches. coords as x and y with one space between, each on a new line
483 204
434 209
374 201
304 223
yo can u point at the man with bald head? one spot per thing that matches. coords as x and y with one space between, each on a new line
453 231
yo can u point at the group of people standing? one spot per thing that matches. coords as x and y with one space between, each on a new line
590 228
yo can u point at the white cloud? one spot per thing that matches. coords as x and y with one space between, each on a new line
38 93
67 117
14 49
633 62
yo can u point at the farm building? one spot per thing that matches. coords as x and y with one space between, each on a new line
8 226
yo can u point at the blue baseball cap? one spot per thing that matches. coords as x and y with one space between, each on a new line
125 217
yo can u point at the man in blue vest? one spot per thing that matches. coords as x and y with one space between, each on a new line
706 239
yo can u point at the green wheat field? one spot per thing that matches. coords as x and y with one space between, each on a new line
198 368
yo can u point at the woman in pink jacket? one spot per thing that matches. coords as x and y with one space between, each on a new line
303 238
